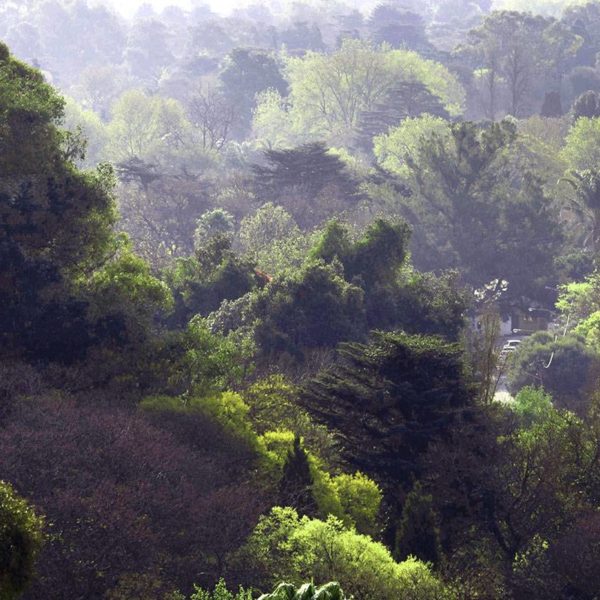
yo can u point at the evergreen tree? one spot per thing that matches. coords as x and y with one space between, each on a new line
587 105
309 181
405 99
295 487
418 534
388 401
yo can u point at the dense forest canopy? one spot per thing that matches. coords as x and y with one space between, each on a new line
300 300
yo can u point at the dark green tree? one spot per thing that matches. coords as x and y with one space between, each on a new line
310 182
55 221
201 282
246 73
404 99
564 367
388 401
295 486
418 534
313 308
393 297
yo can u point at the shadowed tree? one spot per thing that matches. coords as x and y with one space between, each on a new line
586 204
295 487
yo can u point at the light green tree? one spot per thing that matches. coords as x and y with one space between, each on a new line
392 148
145 126
328 93
286 547
272 239
582 144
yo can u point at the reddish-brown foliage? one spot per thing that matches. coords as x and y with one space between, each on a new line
123 496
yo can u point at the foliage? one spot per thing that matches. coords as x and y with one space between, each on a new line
286 591
360 499
388 401
287 547
220 592
314 307
124 493
21 538
213 223
295 486
145 127
418 534
586 204
582 144
329 93
245 74
461 226
309 181
56 222
532 406
125 299
201 282
392 148
563 367
272 240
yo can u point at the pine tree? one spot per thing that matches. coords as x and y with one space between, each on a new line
405 99
417 533
295 487
388 401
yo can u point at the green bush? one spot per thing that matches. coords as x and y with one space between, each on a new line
286 547
308 591
21 538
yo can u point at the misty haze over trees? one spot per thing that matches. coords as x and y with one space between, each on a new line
302 300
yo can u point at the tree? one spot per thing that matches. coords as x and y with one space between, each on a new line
482 213
388 401
146 127
286 547
213 115
201 282
303 36
128 493
311 183
309 309
564 367
582 144
404 101
392 147
245 74
295 486
400 28
148 52
272 239
418 534
511 52
55 222
586 204
328 93
21 538
586 105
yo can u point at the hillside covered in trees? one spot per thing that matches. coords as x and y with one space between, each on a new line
256 274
